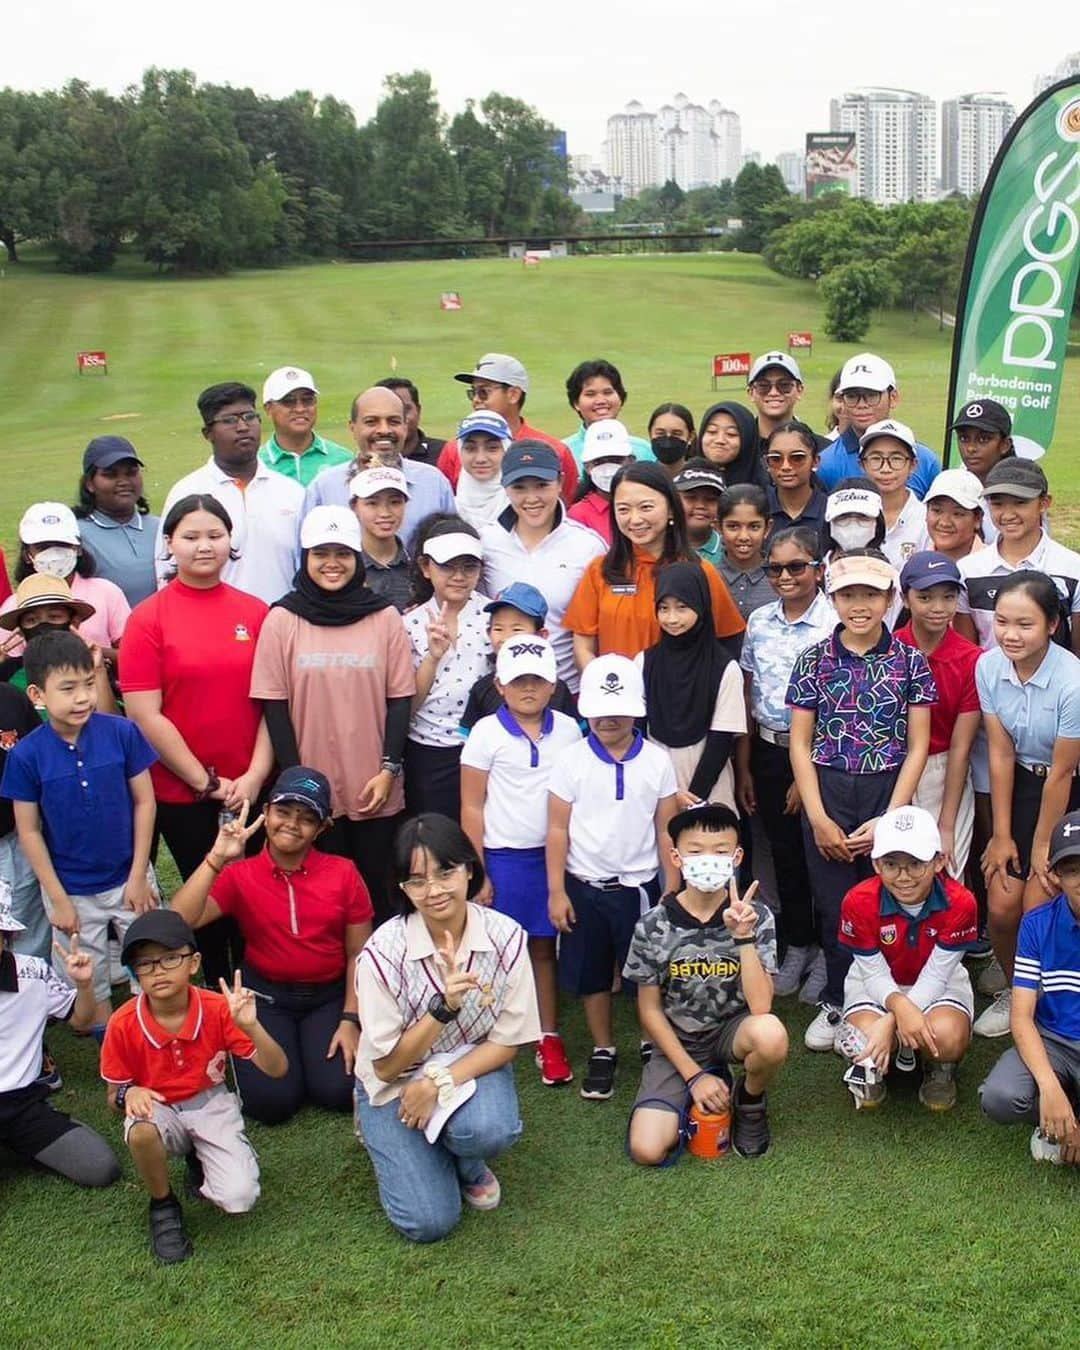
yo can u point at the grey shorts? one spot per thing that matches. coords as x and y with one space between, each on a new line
663 1086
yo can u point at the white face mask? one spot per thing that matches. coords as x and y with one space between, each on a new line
58 561
602 475
708 871
853 533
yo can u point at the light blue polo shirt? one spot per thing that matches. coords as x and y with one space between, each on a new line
124 552
1037 711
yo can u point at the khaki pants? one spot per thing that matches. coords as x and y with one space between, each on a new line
930 794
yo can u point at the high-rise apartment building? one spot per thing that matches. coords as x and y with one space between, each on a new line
792 166
693 145
896 143
1070 66
631 151
972 128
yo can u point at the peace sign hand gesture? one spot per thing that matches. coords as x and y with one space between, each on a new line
232 838
458 982
740 917
440 639
241 1003
79 966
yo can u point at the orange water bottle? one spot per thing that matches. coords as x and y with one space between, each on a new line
710 1132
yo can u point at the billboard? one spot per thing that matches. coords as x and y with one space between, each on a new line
831 164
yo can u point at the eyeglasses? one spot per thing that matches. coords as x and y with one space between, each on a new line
480 393
459 567
766 386
299 400
796 458
235 419
146 965
853 397
878 461
417 887
914 868
774 571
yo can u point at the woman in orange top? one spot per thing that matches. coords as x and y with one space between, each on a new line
614 609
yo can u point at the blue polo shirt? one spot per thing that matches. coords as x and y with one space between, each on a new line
813 513
124 552
1048 961
82 792
1036 711
841 460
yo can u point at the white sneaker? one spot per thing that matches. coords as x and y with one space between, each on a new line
788 978
1042 1150
991 979
822 1031
814 986
995 1020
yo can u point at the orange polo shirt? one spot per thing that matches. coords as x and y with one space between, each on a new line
623 618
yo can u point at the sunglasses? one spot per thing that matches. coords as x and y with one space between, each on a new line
774 571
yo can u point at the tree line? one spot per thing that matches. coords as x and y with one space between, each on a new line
204 177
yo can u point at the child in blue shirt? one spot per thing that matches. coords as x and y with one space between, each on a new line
84 805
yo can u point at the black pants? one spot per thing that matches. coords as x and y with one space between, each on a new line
189 829
302 1019
849 799
369 844
770 767
433 779
32 1128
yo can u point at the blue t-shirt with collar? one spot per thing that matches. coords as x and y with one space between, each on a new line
82 791
1048 961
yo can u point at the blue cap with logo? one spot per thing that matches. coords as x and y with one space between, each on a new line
521 596
307 786
923 570
530 459
486 424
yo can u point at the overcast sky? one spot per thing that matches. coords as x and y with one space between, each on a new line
776 63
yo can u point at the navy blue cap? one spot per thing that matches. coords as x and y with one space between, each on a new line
1065 841
923 570
163 926
521 596
105 451
309 787
530 459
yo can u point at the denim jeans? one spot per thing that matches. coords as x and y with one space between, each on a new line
420 1183
26 901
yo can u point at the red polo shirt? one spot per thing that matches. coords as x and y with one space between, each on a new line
871 921
294 922
953 668
137 1048
450 460
594 511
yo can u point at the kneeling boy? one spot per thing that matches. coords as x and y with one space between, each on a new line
908 928
1039 1080
164 1058
702 962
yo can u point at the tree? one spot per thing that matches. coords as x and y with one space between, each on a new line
851 293
507 161
762 203
31 177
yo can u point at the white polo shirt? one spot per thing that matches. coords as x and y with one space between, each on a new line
515 810
613 835
908 533
23 1015
983 570
266 516
554 567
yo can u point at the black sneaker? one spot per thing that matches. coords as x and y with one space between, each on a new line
599 1081
50 1074
193 1176
646 1049
750 1133
168 1241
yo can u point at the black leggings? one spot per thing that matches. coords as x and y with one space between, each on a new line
368 843
302 1019
770 768
433 779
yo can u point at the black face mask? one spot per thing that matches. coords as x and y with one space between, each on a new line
668 449
47 628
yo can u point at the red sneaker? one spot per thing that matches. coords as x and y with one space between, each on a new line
552 1062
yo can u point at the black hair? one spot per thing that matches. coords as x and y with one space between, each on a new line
713 817
507 605
211 401
1038 587
430 528
85 563
85 503
797 428
186 506
676 410
830 417
744 494
806 537
618 564
57 649
591 370
394 383
444 841
829 544
585 482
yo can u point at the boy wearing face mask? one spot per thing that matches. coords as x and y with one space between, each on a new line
703 961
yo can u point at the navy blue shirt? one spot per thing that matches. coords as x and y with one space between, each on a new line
1048 961
82 792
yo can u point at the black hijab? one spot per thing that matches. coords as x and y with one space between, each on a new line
748 467
683 674
331 609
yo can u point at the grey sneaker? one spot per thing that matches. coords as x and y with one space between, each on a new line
814 985
937 1092
788 978
991 979
1042 1150
995 1020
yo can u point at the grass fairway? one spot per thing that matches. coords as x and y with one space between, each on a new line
895 1229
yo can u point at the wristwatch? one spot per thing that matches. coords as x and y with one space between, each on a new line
441 1010
121 1093
391 766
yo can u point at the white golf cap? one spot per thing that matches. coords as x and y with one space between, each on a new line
852 502
441 548
959 485
49 523
499 369
381 478
330 525
867 371
781 360
899 431
611 686
606 439
526 654
281 382
908 829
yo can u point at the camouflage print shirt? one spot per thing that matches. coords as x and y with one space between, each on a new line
696 965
